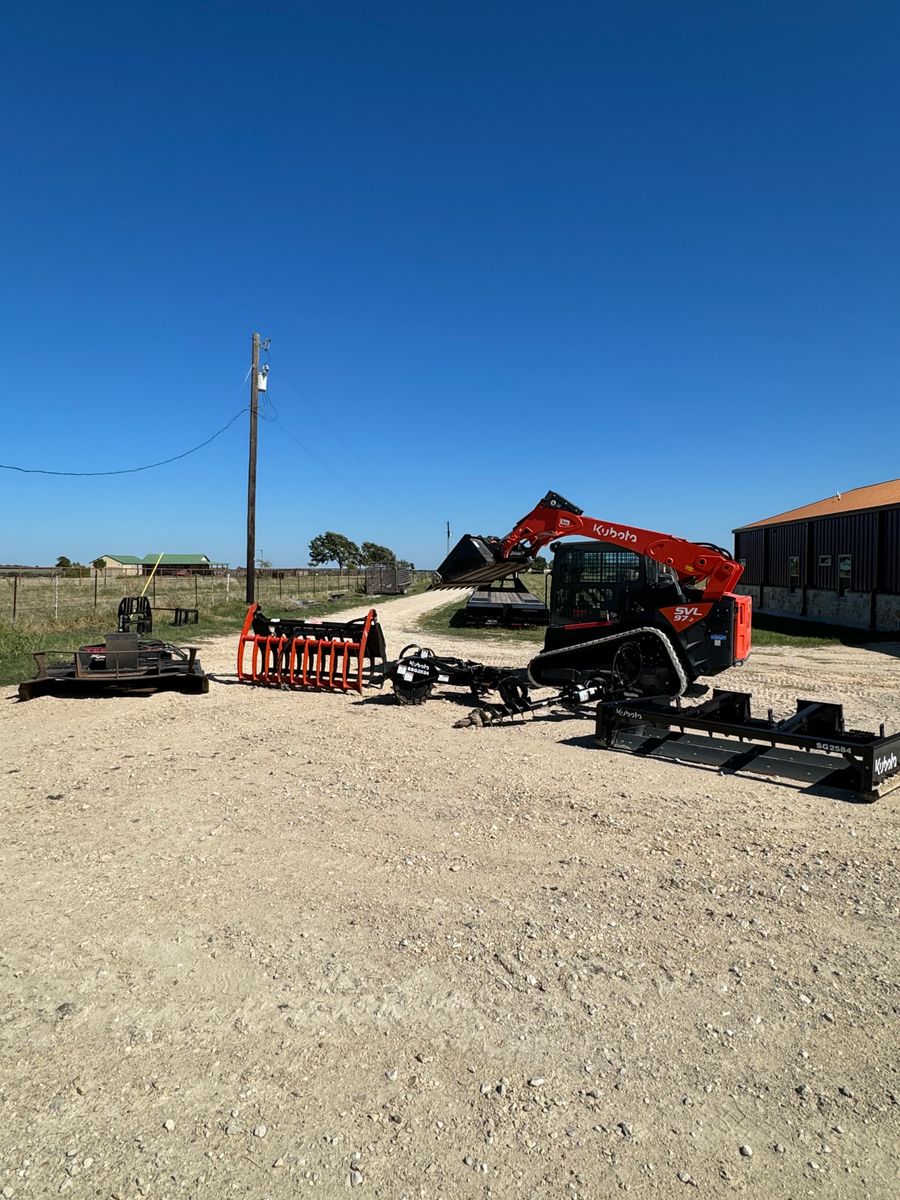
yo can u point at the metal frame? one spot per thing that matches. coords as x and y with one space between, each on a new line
317 655
121 664
806 747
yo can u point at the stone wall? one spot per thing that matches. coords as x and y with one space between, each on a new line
854 609
781 602
887 613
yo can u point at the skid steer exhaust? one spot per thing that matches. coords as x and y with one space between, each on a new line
317 655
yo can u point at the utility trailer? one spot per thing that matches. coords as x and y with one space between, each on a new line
387 581
512 607
811 748
121 665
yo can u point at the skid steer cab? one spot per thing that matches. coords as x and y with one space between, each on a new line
600 592
291 652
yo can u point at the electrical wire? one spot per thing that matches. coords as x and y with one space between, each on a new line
322 418
128 470
348 483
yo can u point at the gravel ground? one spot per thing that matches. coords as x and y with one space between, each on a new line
264 944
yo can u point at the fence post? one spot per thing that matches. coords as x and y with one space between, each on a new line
56 598
196 601
96 582
15 594
227 585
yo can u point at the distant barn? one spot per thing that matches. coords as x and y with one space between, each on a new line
170 564
836 561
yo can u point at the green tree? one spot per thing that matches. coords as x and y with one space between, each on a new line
99 564
404 562
540 565
333 547
374 555
64 562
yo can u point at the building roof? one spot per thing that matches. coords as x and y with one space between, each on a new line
169 560
875 495
128 560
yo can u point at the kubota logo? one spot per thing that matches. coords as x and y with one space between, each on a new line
683 612
610 531
883 765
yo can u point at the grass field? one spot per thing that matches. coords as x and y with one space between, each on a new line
438 621
78 624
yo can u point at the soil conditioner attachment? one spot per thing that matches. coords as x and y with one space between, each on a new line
812 747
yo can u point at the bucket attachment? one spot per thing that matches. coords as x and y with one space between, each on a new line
476 560
319 655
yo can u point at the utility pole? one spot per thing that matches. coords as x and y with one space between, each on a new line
251 472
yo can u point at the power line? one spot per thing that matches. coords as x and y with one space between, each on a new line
348 483
322 419
128 470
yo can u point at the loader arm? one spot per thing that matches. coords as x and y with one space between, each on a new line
480 560
692 562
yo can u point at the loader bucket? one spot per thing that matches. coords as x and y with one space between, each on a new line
316 655
476 560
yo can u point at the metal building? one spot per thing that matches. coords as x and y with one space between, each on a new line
835 561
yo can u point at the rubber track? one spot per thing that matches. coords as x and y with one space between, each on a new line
617 637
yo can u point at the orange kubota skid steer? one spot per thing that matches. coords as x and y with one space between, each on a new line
319 655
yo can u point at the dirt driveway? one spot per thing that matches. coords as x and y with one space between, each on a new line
262 944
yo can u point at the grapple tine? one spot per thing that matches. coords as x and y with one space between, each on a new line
324 655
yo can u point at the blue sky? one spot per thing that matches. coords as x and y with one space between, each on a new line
645 255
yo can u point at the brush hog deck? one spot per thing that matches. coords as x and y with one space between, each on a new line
123 664
317 655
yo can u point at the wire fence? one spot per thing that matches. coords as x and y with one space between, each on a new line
64 598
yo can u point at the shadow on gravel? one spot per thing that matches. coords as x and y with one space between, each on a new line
584 741
390 699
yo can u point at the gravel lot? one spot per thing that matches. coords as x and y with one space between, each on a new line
264 944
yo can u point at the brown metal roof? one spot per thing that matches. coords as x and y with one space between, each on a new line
876 495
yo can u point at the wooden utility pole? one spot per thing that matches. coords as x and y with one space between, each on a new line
251 473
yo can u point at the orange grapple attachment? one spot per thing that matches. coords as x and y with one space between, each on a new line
316 655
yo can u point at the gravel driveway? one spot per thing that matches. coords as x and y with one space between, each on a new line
264 944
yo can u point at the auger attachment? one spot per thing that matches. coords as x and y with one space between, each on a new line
318 655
